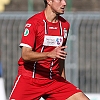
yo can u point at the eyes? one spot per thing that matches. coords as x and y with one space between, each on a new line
61 0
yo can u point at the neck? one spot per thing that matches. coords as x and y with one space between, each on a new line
50 15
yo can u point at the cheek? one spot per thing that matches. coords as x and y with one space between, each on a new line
56 7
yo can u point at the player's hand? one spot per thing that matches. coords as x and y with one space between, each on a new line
58 52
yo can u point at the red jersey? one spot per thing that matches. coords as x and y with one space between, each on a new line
42 36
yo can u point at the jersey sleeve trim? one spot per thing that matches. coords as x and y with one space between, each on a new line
25 45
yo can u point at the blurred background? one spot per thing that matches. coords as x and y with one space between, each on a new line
83 59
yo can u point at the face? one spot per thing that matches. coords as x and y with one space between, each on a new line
57 6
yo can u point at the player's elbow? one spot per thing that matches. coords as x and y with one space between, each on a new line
25 57
26 53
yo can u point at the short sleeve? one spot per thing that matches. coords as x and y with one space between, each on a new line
28 35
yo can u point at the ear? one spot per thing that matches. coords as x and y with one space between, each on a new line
49 1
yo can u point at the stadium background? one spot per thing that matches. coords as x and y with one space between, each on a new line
83 59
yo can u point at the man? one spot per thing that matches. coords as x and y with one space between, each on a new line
41 71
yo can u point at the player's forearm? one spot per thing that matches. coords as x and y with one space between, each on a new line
34 56
63 73
29 55
62 68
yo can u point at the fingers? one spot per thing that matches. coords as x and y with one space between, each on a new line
60 53
61 56
61 47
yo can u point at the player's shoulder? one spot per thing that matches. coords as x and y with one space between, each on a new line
36 17
63 20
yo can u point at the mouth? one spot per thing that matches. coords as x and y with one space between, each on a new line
62 8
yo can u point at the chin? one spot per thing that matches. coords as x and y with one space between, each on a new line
60 13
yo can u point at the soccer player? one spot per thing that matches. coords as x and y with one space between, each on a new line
41 72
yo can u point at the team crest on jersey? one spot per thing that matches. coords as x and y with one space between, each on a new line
65 32
26 32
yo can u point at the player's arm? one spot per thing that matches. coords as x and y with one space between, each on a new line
62 68
29 55
62 63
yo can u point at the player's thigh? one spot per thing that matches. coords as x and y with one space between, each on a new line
21 85
62 90
17 88
78 96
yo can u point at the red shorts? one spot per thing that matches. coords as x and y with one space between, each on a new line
27 88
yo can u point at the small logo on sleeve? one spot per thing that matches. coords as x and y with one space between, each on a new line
28 25
26 32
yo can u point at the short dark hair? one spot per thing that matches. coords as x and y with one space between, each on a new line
45 1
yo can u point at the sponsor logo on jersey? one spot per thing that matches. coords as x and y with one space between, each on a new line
65 32
53 40
26 32
28 25
59 40
53 28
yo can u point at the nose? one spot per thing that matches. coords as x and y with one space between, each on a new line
64 2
